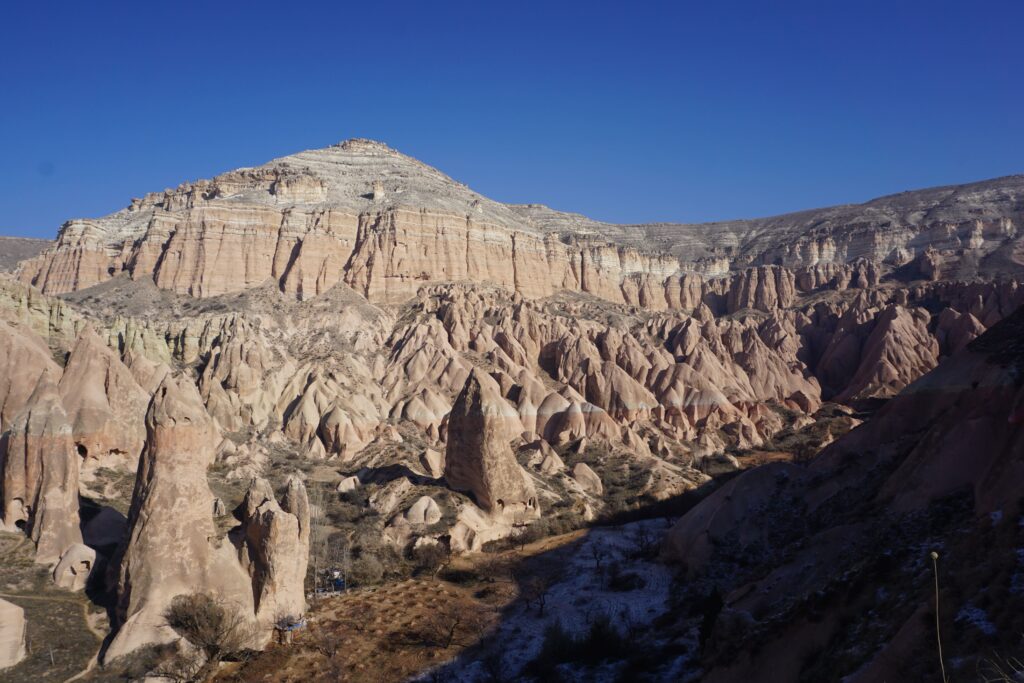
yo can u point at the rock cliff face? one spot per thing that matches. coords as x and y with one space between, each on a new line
311 220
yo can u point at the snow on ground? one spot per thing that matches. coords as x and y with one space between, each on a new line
978 618
579 596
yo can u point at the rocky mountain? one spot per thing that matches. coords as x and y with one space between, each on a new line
386 224
345 362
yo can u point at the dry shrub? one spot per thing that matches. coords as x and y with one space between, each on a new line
215 630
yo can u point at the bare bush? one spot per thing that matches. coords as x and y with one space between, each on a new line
366 570
216 630
645 543
536 588
430 558
460 625
494 568
1001 670
535 581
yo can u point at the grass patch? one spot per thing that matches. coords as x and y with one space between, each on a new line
58 639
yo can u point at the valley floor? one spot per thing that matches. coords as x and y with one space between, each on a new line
488 616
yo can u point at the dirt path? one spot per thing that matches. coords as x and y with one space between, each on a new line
18 596
95 659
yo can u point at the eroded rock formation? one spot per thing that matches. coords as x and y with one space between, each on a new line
276 549
174 546
479 459
936 469
40 475
12 634
354 313
104 403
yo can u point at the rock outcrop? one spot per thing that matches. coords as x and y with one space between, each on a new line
104 402
172 544
24 358
479 459
898 351
40 475
12 634
587 478
276 549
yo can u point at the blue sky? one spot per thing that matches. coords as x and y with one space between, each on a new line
628 112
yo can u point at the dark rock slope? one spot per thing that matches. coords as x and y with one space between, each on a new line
825 570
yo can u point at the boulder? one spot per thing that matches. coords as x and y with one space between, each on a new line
587 479
12 634
386 499
75 565
424 511
348 484
432 462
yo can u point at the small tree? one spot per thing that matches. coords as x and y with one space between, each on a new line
536 589
528 535
494 568
454 624
536 586
366 570
645 543
216 630
430 558
596 553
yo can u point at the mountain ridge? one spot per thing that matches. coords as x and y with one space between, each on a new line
341 177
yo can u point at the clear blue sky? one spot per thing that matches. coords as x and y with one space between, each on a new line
627 112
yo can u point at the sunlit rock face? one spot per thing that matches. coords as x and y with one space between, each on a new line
479 459
40 475
174 548
386 224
